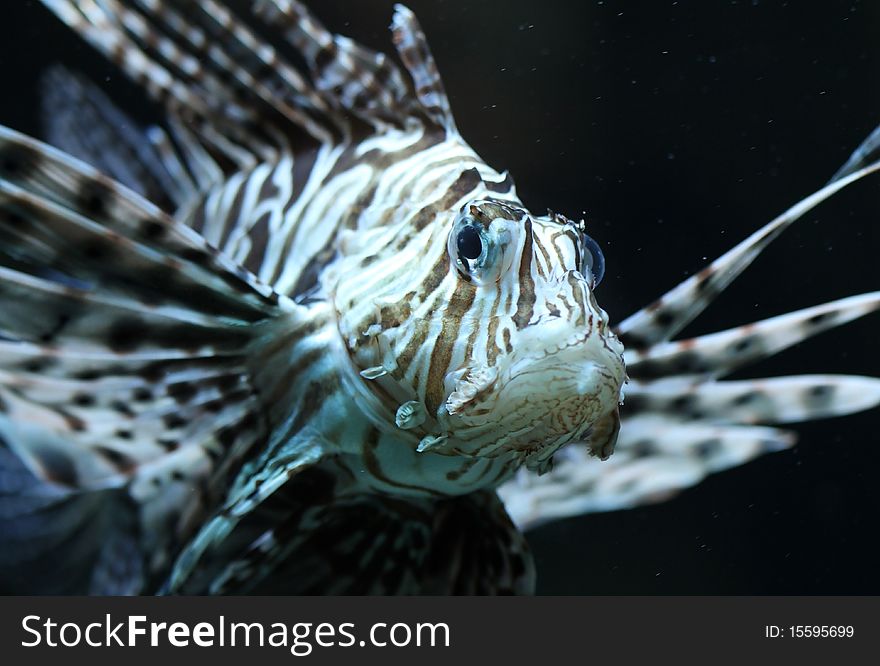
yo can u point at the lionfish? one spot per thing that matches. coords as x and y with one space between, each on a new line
300 338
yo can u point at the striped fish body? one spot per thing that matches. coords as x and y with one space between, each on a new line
317 332
368 222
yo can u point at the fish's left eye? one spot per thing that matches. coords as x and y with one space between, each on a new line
593 259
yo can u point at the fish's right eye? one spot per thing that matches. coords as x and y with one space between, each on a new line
469 243
481 244
468 246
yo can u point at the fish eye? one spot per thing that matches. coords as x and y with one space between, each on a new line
469 248
480 251
483 240
469 243
593 259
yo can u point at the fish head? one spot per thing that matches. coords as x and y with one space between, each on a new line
482 336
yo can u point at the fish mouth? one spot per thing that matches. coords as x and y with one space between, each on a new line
602 353
582 405
538 399
584 339
596 349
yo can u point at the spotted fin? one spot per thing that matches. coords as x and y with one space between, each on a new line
242 98
655 459
413 49
719 354
748 401
243 101
126 361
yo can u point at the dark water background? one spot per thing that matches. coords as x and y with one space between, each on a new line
679 127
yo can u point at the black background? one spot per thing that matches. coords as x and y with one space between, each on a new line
679 128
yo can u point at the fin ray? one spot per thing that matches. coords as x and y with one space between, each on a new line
655 458
413 49
661 320
770 400
721 353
